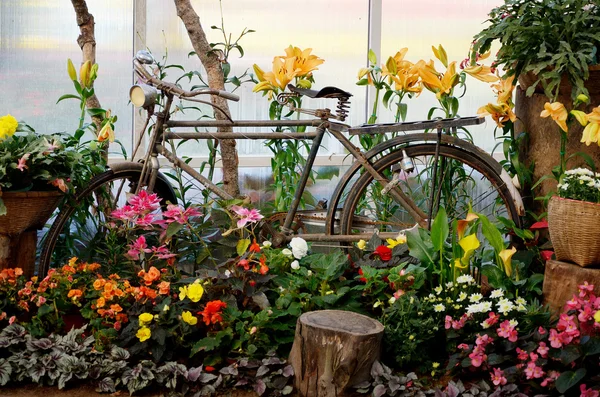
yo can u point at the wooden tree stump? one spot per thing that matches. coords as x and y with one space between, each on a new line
333 351
561 280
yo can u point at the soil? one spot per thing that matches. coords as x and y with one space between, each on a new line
89 391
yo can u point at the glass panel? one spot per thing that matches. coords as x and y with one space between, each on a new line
37 37
420 24
342 42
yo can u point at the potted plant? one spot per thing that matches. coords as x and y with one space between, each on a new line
574 217
548 45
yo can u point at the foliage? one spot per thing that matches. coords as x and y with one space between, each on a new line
548 38
386 383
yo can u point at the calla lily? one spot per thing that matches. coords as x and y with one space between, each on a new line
469 244
591 133
461 224
557 111
459 265
506 256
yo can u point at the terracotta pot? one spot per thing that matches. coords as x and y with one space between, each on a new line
27 210
526 80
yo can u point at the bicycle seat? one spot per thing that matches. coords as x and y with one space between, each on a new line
325 92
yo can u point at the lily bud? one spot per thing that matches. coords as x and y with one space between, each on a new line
583 98
71 70
84 73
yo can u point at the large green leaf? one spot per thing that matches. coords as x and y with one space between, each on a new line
491 233
439 229
420 246
568 379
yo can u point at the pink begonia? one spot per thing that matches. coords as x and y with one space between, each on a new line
586 314
138 247
552 376
246 215
585 288
455 324
448 322
542 331
587 392
399 293
22 165
555 341
162 252
573 304
533 371
522 354
508 331
491 320
478 356
543 350
463 346
40 301
498 377
12 319
175 213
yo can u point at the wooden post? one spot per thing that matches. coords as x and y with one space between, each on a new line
333 351
561 280
19 251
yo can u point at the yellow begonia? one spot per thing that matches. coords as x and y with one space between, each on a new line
8 126
143 334
591 132
189 318
557 111
597 316
506 256
145 319
362 244
193 292
394 242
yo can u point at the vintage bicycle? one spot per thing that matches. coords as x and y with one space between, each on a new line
394 186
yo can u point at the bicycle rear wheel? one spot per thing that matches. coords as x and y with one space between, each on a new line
79 228
463 179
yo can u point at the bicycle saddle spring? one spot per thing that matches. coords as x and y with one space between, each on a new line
343 106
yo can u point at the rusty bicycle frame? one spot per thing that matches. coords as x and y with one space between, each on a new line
324 121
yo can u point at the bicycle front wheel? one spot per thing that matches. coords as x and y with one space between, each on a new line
79 228
463 179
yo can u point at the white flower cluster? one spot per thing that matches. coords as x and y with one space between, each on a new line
580 184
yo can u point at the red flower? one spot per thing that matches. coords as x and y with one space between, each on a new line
362 279
254 247
384 253
208 368
546 254
212 312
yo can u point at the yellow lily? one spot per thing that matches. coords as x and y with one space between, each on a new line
440 53
469 244
504 90
500 112
506 256
84 74
433 82
482 73
407 82
557 111
107 133
591 133
304 62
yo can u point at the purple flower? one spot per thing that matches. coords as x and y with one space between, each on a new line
246 215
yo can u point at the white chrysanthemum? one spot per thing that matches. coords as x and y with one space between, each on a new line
520 301
521 308
505 306
485 306
449 284
465 279
513 323
439 308
475 297
497 293
438 290
474 308
462 296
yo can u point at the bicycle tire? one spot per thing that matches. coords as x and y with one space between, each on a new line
475 162
123 171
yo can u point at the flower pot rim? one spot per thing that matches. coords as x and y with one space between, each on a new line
31 193
573 200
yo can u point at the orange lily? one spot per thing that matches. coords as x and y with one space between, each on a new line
482 73
557 111
500 112
304 62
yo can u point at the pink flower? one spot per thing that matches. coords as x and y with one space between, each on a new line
555 341
246 215
542 331
162 252
491 320
552 376
585 288
543 349
448 322
574 303
522 354
587 392
40 301
175 213
60 183
125 213
138 247
463 346
12 319
399 293
145 202
145 221
22 166
533 371
498 377
507 331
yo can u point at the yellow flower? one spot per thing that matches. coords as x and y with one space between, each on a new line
591 133
8 126
469 244
461 225
482 73
85 73
506 256
504 90
304 62
143 334
182 293
145 319
558 113
580 116
501 113
435 365
362 244
394 242
189 318
597 316
435 82
106 133
71 70
440 53
195 291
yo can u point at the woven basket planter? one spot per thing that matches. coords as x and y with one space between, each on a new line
27 210
575 230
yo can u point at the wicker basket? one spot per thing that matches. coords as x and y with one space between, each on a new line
27 210
575 230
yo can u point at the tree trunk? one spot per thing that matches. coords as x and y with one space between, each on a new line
87 43
211 62
333 351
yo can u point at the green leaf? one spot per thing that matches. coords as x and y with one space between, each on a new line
206 344
96 112
419 247
173 228
491 233
439 229
569 354
242 246
68 96
592 347
568 379
372 57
